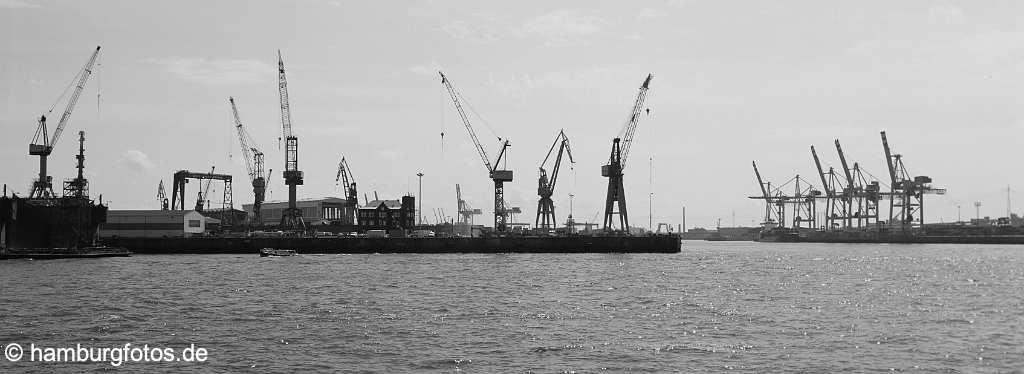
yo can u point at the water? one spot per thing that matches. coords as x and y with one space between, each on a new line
717 306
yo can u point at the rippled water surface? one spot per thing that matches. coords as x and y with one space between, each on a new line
717 306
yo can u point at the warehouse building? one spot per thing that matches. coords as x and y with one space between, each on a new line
157 224
314 211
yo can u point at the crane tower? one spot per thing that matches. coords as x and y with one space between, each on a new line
615 204
291 217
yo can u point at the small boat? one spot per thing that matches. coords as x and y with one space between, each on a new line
267 252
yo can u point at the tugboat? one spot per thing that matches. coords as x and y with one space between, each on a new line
267 252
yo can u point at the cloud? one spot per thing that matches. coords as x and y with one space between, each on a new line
946 13
429 69
18 4
136 161
218 72
651 13
680 3
481 32
563 27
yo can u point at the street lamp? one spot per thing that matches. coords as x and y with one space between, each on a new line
419 214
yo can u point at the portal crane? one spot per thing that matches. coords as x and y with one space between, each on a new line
835 205
347 180
499 176
291 217
253 165
545 207
161 196
43 187
615 204
906 204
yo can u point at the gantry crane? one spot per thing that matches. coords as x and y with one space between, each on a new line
497 175
466 212
292 216
348 181
161 196
43 187
253 165
615 204
774 213
546 187
906 194
836 207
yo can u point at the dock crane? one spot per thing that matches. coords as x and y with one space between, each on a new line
501 214
161 196
546 187
774 210
291 217
617 162
835 205
253 165
351 195
204 194
906 193
42 188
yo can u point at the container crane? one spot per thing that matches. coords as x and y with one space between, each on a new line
906 204
253 165
161 196
347 180
501 214
835 205
291 217
546 187
615 204
43 187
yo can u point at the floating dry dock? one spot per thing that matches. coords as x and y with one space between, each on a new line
252 245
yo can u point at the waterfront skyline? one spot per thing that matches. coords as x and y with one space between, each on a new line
733 82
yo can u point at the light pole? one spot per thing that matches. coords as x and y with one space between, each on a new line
419 214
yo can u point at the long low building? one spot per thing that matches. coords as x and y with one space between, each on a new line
156 224
314 211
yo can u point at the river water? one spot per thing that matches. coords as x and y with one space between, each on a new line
715 307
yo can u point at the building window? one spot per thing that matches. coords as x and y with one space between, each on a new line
194 223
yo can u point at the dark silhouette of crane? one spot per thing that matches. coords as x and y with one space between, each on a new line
348 181
161 196
291 217
204 193
615 204
546 186
42 145
906 204
253 165
501 214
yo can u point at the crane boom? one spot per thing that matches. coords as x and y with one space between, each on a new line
243 139
888 160
282 84
465 121
630 127
821 173
846 168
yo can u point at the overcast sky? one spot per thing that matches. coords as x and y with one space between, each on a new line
734 81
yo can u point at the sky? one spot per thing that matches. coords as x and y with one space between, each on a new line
734 81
